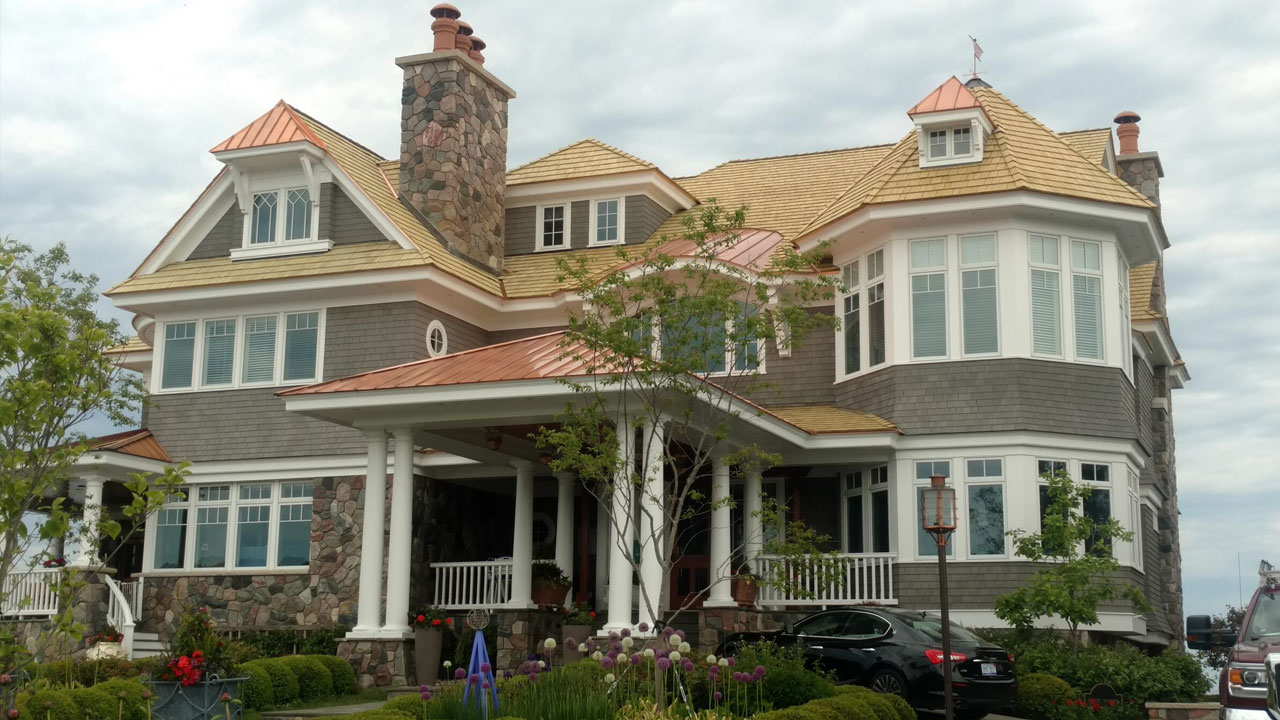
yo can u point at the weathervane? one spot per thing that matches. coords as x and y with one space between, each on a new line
977 55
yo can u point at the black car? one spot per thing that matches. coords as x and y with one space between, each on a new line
899 652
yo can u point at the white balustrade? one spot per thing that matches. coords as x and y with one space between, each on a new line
30 593
119 615
484 584
838 580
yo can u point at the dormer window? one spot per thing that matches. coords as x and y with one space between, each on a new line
606 221
553 233
951 126
269 225
950 143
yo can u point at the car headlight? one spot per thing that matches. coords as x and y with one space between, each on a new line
1246 679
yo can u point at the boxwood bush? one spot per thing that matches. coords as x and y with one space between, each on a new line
787 682
257 693
859 704
1038 693
135 707
284 684
48 704
95 703
340 672
409 705
314 681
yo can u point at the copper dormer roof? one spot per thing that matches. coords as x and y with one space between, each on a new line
950 95
277 126
139 443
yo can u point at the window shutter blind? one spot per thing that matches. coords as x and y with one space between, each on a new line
1045 312
259 349
219 351
980 322
179 354
929 315
300 340
1088 307
977 249
746 354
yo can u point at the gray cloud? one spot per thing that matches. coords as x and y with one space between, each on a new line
107 112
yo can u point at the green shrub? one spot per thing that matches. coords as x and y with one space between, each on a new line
850 706
323 642
792 713
135 707
787 682
314 681
87 672
95 704
340 672
149 666
239 652
880 705
48 704
379 714
901 706
1037 694
410 705
257 692
284 684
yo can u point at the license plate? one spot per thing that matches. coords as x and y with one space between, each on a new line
989 669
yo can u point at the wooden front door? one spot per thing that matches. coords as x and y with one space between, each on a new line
691 559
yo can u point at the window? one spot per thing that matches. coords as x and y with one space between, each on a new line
212 506
294 543
253 526
850 323
259 349
978 297
951 143
875 308
219 351
300 342
267 224
297 224
937 143
1046 303
1086 288
264 219
859 496
928 299
709 348
179 355
926 469
746 351
555 227
607 221
171 538
865 626
880 510
985 495
437 339
960 144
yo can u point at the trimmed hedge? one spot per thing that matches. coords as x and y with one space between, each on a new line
410 705
95 704
257 693
885 706
379 714
854 704
88 672
284 684
850 707
314 681
340 672
48 704
135 708
1037 693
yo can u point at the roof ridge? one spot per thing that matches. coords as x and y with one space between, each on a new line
1085 130
575 143
784 156
620 151
879 167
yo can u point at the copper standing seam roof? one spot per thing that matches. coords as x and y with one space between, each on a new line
277 126
950 95
544 357
139 443
751 251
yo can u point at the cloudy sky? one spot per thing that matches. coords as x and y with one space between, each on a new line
107 111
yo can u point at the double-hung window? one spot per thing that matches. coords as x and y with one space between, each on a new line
1086 291
1097 506
866 511
1046 296
179 355
747 346
984 493
219 351
301 339
850 321
875 309
241 351
253 525
553 227
213 503
926 469
952 143
281 216
606 221
980 323
259 349
171 535
928 298
293 543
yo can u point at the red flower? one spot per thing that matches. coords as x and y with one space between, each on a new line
422 618
593 613
448 621
436 622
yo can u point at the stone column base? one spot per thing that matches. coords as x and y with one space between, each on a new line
521 632
715 624
379 663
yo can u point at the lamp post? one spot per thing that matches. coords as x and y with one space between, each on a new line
938 518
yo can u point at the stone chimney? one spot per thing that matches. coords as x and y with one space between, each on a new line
1142 170
453 140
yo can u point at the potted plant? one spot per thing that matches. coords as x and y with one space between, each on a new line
579 623
197 677
550 584
745 585
105 644
428 626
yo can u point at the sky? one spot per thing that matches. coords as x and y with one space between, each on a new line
108 109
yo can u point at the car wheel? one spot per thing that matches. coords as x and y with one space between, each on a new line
889 682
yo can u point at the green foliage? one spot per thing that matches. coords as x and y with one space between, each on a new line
847 704
238 652
379 714
793 713
411 706
462 651
314 681
257 691
787 682
194 639
850 706
1073 581
94 703
131 692
340 672
1038 693
1218 656
548 573
87 672
284 684
48 704
323 641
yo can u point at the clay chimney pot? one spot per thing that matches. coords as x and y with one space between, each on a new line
445 26
463 39
1128 132
476 46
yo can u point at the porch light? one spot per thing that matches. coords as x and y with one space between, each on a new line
492 438
938 518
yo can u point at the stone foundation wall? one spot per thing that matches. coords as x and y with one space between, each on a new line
90 611
522 632
379 663
1182 711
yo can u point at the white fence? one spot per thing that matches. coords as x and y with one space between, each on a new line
30 593
484 584
840 580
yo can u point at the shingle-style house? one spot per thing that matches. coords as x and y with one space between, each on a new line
326 331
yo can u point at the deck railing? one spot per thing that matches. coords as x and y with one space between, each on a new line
30 593
840 580
481 584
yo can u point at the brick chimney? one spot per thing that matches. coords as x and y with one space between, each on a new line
1142 170
453 140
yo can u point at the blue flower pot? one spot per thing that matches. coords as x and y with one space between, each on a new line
175 701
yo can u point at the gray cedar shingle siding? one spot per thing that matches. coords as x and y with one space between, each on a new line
580 224
521 225
226 234
643 217
804 378
976 585
1144 386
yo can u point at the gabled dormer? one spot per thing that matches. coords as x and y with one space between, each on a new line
951 127
277 165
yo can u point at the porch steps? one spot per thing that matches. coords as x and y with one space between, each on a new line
147 644
686 621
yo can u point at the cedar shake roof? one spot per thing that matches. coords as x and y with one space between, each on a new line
139 443
1141 286
277 126
545 357
1092 144
586 158
950 95
133 344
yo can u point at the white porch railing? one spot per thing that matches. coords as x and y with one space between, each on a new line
30 593
863 578
132 591
119 615
483 584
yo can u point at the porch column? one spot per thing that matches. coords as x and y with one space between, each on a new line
652 523
522 538
369 602
564 522
400 540
92 508
752 526
720 595
620 541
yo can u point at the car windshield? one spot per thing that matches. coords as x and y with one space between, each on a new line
1265 621
932 628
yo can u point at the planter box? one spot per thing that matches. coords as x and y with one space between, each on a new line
175 701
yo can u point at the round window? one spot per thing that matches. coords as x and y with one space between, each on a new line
437 339
544 529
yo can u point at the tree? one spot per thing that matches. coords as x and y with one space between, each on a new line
1229 622
673 336
1074 550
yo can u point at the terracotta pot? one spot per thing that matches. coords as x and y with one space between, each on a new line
546 595
426 653
744 591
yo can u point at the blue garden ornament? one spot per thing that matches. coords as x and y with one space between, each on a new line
481 686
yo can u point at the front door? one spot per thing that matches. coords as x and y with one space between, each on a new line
691 559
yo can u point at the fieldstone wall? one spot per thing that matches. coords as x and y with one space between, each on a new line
716 624
1182 711
379 663
453 153
1142 171
522 632
90 610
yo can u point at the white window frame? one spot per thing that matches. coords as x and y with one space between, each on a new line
538 234
595 217
435 326
1002 482
730 353
874 479
1056 268
282 215
929 270
949 144
1135 516
1126 321
1102 304
237 370
994 266
193 525
916 484
233 504
872 278
850 287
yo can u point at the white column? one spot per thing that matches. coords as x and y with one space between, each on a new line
564 522
752 527
620 541
720 595
92 508
522 538
369 604
652 523
400 538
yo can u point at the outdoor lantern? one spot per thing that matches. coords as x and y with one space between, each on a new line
938 507
938 518
492 438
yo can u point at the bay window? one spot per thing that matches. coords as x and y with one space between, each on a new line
241 351
1086 288
984 492
980 326
862 304
850 323
925 470
928 299
1046 296
1097 506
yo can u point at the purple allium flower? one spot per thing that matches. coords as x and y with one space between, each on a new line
485 668
680 634
626 632
687 665
570 643
737 677
532 656
485 684
714 671
667 632
533 677
613 636
664 664
759 672
644 627
459 673
732 662
606 662
590 645
507 674
717 695
475 679
635 659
